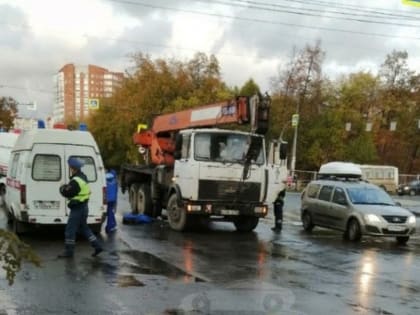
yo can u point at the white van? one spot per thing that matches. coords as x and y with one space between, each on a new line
38 167
7 142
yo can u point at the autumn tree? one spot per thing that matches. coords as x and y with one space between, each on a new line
298 89
398 105
152 88
8 111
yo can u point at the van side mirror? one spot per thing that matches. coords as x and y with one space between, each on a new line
283 150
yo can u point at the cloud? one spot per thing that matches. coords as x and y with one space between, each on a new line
38 37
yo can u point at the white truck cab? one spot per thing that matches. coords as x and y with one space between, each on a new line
38 167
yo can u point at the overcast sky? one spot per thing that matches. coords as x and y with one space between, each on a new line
250 38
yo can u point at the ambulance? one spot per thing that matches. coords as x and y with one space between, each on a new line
38 167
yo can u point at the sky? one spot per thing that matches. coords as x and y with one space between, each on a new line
250 38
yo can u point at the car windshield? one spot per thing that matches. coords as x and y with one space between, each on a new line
369 195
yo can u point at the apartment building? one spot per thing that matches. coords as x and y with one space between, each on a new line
80 88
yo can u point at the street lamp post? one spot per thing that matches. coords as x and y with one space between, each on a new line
295 124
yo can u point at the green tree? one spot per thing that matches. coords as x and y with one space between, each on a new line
249 88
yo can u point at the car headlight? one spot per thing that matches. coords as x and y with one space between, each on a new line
372 218
411 219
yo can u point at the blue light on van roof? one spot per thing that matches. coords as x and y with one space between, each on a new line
41 124
82 127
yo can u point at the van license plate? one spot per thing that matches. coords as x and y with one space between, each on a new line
396 228
229 212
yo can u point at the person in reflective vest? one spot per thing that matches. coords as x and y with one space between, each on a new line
111 199
77 191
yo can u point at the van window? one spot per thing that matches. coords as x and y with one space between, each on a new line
339 196
89 168
325 193
46 167
13 170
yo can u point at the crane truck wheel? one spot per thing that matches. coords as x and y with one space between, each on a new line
177 216
144 200
132 197
245 223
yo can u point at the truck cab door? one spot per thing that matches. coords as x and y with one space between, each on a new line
277 169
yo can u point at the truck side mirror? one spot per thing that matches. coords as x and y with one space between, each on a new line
283 150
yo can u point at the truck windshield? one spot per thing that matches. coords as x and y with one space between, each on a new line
224 147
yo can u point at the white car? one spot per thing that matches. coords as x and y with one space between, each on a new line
341 200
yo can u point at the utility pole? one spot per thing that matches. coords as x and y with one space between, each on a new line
295 117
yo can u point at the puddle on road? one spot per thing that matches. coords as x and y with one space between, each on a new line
124 268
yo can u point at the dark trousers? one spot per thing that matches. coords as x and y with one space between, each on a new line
278 214
78 222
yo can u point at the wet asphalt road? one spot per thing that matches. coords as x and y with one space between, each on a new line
149 269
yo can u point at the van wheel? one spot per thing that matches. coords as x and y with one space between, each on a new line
245 223
402 240
307 221
132 197
412 192
144 200
353 232
177 216
17 227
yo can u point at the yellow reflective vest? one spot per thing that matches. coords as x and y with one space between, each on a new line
84 192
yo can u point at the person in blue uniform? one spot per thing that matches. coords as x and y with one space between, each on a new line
77 192
111 198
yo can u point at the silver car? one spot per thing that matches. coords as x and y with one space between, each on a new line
355 207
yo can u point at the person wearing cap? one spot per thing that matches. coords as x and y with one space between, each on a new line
111 199
77 191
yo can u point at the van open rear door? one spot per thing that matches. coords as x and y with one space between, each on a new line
44 175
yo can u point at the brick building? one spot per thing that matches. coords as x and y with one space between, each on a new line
78 88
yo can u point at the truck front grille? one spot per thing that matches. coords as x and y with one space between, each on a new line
229 191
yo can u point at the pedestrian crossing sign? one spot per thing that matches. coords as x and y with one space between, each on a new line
414 3
93 103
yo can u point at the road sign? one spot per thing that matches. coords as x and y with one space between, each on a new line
295 120
413 3
93 103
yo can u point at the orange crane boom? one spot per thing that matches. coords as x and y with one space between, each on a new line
159 139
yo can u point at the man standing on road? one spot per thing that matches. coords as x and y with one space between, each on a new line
77 191
278 211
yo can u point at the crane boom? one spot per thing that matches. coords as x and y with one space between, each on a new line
159 140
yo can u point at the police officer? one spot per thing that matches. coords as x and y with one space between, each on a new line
278 211
77 191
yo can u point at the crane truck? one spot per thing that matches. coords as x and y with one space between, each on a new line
198 172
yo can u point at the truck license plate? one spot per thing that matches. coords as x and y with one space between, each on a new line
229 212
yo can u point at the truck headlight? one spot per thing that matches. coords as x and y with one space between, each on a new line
372 218
411 219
